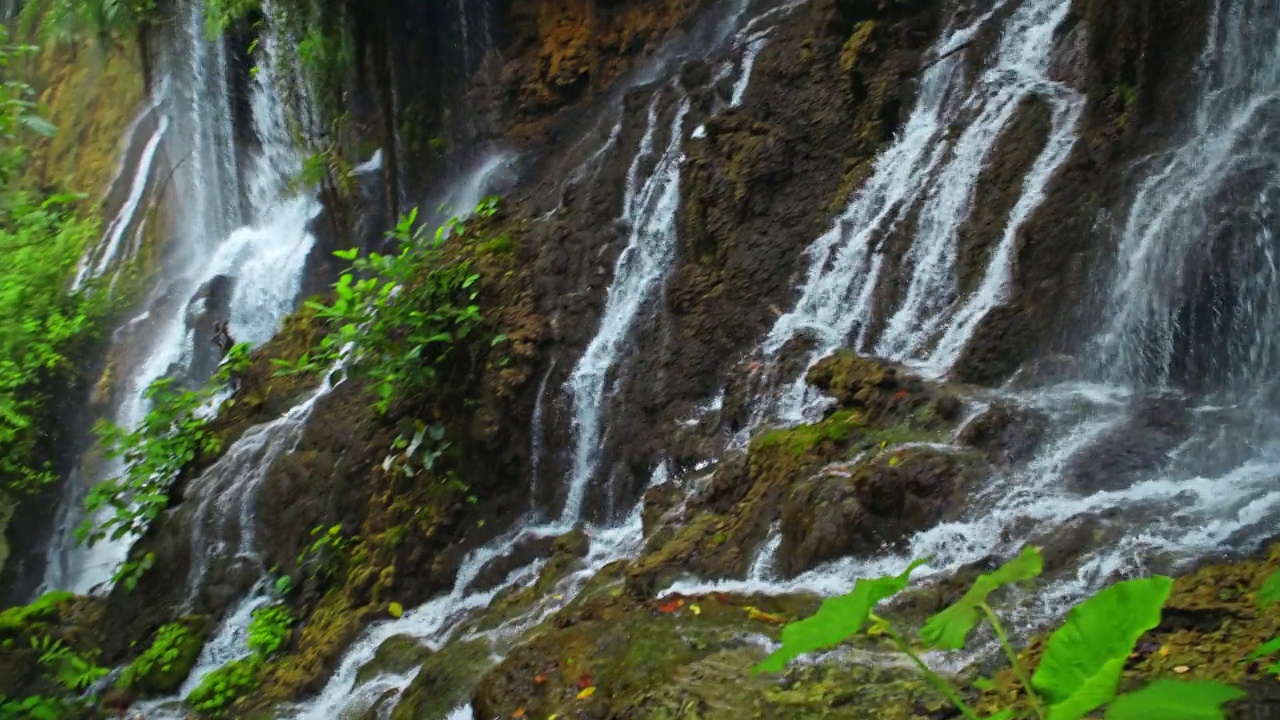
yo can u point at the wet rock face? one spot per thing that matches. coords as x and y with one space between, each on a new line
1131 60
872 507
1134 449
1008 433
864 477
210 305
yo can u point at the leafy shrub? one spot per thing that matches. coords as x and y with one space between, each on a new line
268 629
16 619
1079 671
221 688
403 316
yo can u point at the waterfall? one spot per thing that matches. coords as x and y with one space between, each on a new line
263 260
1216 487
927 172
649 207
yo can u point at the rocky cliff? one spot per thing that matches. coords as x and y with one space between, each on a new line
655 457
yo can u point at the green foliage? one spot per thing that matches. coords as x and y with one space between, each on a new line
403 313
173 432
269 628
220 14
1083 659
42 325
1079 671
949 629
221 688
34 707
169 437
66 21
1268 594
169 646
837 619
1172 700
73 672
327 551
15 619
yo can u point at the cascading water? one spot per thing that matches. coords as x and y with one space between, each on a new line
928 173
263 261
1215 488
649 209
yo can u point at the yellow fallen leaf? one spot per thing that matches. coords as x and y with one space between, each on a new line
695 609
1181 669
586 692
396 610
558 597
757 614
1164 651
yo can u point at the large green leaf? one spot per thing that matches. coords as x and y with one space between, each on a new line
838 619
948 629
1083 659
1270 590
1269 647
1173 700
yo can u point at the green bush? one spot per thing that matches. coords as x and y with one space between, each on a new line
1078 673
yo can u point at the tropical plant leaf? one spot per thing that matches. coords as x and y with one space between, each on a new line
1269 593
838 619
1267 648
1005 714
1083 659
1173 700
948 629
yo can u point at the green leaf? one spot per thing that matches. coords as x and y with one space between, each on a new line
1267 648
1005 714
39 125
1269 593
838 619
948 629
1083 659
1173 700
396 610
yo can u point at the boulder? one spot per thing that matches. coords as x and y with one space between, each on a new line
872 506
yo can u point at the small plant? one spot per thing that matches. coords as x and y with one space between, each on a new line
268 629
173 432
72 671
1268 594
170 644
403 313
170 436
1078 673
221 688
327 550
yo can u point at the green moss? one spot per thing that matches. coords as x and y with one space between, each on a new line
445 681
803 438
685 658
853 47
17 619
221 689
165 664
500 244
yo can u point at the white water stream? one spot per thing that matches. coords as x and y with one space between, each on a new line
1217 486
264 259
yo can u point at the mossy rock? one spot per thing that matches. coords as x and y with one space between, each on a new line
444 682
685 657
168 660
397 655
880 502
